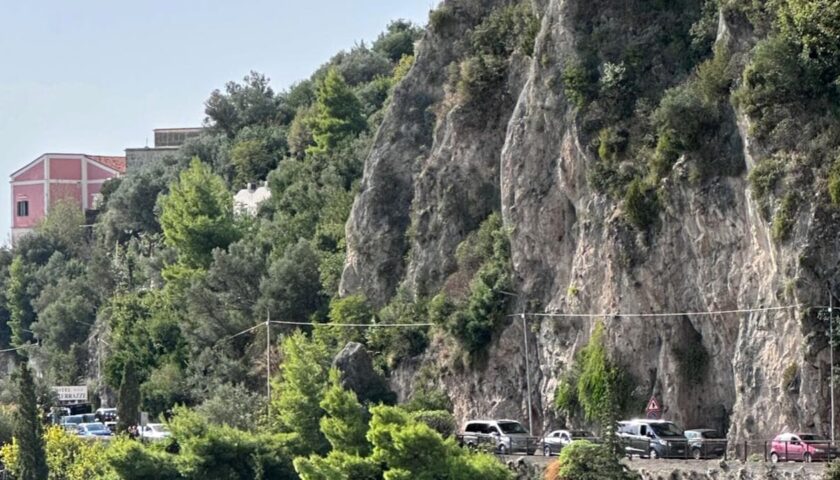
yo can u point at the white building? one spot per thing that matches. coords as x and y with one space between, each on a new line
248 200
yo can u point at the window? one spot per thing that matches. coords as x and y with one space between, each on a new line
23 208
512 427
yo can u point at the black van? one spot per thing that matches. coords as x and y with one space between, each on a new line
653 439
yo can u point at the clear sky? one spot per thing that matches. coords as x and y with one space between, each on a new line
96 76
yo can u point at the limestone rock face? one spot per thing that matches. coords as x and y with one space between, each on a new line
435 172
358 374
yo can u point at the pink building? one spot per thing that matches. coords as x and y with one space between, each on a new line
53 177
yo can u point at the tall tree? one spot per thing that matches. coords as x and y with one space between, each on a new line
128 401
19 303
338 113
27 431
297 407
197 215
345 422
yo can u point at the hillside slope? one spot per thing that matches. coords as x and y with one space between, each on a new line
621 151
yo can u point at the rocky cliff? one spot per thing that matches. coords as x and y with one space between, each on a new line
442 161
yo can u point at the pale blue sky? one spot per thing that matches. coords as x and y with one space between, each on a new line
96 76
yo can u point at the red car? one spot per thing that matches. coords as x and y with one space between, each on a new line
801 447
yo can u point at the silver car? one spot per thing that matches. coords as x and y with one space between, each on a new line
554 441
503 436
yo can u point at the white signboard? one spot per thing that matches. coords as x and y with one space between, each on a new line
72 394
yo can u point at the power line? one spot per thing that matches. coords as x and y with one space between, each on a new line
663 314
29 345
360 325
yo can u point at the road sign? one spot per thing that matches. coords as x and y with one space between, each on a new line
75 394
653 410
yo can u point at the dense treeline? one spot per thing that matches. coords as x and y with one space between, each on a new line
148 305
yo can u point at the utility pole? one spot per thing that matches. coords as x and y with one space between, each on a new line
268 360
527 374
831 355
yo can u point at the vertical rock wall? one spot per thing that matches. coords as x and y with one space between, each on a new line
433 175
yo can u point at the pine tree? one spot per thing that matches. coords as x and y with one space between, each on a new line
197 215
28 431
21 315
128 402
338 113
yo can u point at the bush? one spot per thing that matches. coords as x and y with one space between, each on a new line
580 83
474 320
440 421
442 17
790 378
784 219
507 29
683 119
428 399
774 78
641 207
611 143
481 77
763 180
585 386
832 472
393 345
565 395
583 460
815 25
834 183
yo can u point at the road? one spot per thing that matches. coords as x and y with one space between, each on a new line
707 468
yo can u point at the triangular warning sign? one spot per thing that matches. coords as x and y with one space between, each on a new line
653 405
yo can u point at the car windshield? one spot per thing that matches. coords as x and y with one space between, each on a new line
710 435
158 428
666 429
512 427
581 434
95 427
812 438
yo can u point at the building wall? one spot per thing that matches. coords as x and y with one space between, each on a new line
63 192
97 173
34 194
51 179
65 168
35 172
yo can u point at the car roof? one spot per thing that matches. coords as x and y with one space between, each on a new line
701 430
493 421
645 420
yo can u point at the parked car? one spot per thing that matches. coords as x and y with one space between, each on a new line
105 415
504 436
653 439
74 420
705 443
93 429
112 426
801 447
155 431
554 441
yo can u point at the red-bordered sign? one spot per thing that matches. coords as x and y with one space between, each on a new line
653 410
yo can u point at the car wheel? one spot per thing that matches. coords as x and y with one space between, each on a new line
696 454
502 450
774 457
653 455
547 451
807 457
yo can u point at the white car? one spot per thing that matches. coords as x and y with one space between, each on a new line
155 431
554 441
